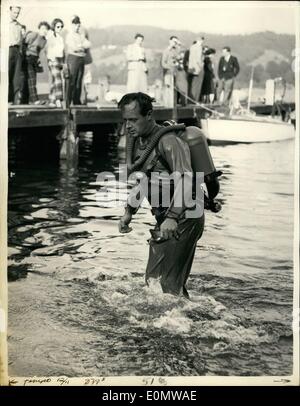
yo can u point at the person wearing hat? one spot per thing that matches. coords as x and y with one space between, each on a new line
208 85
77 45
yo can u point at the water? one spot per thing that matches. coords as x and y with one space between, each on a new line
78 305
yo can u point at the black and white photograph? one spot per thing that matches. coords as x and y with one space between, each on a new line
149 192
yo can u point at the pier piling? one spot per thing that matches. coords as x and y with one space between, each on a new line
68 139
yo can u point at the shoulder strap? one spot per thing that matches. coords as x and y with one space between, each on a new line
158 158
139 163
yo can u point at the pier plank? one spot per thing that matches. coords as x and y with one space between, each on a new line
36 116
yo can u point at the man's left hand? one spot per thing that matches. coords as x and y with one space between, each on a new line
168 228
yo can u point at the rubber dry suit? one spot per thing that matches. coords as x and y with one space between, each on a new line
184 150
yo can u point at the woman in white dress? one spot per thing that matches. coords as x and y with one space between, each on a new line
137 68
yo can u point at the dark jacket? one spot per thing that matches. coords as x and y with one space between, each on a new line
209 68
208 86
230 69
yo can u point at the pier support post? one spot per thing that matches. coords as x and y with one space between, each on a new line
69 142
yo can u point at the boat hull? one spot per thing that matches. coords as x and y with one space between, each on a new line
246 131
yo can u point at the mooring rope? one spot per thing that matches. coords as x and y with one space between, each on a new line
199 104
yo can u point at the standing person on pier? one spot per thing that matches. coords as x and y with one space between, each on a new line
169 64
195 69
55 57
228 70
14 56
137 68
24 92
34 43
208 85
181 80
77 46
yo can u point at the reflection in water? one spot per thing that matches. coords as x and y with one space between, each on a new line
78 302
68 194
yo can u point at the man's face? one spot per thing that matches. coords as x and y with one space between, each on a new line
135 124
43 31
14 13
225 52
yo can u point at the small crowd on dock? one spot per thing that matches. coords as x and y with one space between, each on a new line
67 57
190 71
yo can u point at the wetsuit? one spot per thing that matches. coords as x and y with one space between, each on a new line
170 260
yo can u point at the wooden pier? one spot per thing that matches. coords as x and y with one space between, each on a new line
69 122
40 116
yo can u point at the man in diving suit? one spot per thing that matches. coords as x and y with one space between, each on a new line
170 259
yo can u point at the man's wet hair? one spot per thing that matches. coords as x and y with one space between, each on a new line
144 101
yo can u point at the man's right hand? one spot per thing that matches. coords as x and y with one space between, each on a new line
124 222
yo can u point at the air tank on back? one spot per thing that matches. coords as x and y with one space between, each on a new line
200 155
